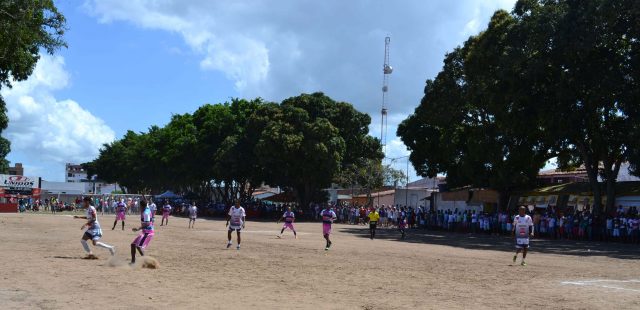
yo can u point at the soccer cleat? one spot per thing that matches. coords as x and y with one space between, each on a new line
327 248
238 247
523 263
228 245
112 250
279 236
514 258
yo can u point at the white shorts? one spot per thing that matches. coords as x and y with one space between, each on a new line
522 243
235 228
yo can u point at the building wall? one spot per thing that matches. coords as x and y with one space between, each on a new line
74 173
453 205
17 169
412 197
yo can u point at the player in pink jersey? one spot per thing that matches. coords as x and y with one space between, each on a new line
522 229
328 216
121 211
288 217
141 242
166 211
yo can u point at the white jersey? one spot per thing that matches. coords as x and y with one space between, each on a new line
236 214
522 225
193 212
91 214
152 208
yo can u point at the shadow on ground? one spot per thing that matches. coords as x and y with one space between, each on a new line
501 243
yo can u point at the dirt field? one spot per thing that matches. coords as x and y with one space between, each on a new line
43 269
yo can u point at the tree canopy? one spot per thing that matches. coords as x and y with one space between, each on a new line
550 79
26 28
302 144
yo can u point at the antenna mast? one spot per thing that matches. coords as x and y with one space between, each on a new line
387 70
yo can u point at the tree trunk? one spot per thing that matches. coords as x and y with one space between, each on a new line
591 164
503 200
612 179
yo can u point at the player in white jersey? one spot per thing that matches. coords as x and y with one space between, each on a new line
93 232
153 208
237 217
522 229
193 214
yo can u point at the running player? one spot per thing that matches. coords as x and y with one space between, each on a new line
141 242
328 216
237 217
374 217
93 232
288 217
522 229
121 210
193 214
166 210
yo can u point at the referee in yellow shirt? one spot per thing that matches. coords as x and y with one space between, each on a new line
374 217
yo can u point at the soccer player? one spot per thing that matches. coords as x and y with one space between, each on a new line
237 217
522 229
193 214
166 210
93 232
288 217
141 242
374 217
328 216
153 208
121 210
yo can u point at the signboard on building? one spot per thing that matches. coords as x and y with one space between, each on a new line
19 185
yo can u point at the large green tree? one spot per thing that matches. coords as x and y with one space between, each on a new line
27 27
227 150
553 78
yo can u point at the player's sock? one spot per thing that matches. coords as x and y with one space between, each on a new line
106 246
85 246
122 225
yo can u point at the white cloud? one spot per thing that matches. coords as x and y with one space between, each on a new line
46 131
277 49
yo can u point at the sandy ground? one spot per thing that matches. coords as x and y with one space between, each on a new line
42 269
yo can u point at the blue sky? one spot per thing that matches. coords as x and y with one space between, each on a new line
131 64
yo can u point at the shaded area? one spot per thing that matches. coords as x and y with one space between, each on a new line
501 243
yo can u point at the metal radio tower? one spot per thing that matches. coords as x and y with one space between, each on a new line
387 70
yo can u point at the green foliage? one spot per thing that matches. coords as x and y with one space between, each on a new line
551 79
26 28
226 150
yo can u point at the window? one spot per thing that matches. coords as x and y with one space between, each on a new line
70 175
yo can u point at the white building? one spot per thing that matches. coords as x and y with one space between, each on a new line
74 173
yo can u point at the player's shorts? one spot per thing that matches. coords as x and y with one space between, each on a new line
373 225
326 229
192 218
522 243
165 215
142 240
288 225
237 228
120 216
93 234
